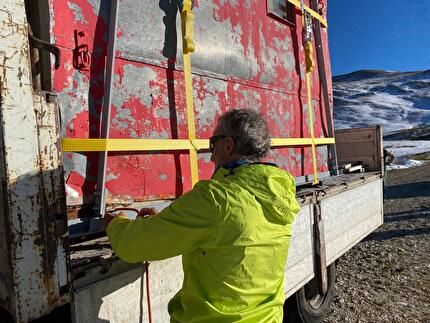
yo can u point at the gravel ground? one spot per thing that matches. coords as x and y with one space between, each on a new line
386 277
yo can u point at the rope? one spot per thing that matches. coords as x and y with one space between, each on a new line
148 297
145 264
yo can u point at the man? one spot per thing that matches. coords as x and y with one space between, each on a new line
232 231
388 159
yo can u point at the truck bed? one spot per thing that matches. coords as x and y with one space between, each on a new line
90 251
350 206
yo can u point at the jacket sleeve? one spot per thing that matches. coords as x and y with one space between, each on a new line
189 222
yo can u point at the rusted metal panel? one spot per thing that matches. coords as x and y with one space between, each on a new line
34 199
244 59
53 218
5 269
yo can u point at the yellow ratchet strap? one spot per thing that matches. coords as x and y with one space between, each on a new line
126 144
311 127
313 13
309 69
82 145
188 46
308 48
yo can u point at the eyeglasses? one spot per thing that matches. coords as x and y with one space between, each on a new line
213 140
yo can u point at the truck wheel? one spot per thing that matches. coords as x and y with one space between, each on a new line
307 305
5 317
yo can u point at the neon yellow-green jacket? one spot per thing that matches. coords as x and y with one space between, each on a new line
233 232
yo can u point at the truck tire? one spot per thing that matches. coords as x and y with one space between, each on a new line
5 317
307 305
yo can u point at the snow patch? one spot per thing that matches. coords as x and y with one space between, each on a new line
405 163
401 149
394 100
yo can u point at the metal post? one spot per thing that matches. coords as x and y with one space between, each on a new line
320 250
333 167
100 197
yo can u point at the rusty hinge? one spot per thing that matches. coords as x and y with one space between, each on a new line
43 45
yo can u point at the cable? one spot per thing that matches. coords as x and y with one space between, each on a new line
145 264
148 297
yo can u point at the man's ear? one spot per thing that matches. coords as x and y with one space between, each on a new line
229 145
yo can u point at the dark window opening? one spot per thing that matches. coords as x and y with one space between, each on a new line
281 9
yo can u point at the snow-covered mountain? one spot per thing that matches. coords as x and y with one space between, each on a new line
399 101
396 100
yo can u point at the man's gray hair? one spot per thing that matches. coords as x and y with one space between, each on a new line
249 131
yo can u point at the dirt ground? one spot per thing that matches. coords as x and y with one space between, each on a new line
386 277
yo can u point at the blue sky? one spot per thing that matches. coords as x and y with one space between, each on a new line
379 34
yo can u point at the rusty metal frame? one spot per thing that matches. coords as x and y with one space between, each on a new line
34 223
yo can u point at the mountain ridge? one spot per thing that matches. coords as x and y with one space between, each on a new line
395 100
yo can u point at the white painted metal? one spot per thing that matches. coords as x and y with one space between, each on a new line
122 297
21 153
34 273
300 268
350 216
52 194
4 250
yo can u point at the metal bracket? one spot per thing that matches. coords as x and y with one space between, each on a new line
307 24
43 45
81 54
320 252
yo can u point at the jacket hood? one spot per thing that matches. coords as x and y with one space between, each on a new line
271 186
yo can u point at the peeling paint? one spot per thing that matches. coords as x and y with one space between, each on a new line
123 119
206 157
36 264
158 135
73 99
134 81
244 59
268 56
111 176
77 11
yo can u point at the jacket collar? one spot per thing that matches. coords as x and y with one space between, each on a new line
229 168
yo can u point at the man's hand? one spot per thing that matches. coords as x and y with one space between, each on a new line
146 212
110 216
142 213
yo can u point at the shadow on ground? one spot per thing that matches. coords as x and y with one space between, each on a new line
418 189
405 216
389 234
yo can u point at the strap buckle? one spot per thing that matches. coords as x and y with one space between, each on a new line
307 23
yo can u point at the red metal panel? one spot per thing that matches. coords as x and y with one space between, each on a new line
246 59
